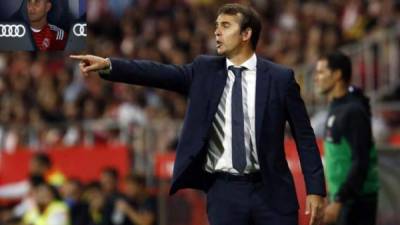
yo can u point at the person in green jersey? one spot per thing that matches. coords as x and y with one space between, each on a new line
350 154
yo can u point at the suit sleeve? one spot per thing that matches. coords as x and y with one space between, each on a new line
152 74
359 136
303 134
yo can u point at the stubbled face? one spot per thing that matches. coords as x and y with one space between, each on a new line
38 9
227 33
324 79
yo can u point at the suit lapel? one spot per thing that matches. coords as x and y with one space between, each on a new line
262 94
219 81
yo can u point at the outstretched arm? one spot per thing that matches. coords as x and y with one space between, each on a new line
139 72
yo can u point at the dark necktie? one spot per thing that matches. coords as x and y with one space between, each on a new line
238 141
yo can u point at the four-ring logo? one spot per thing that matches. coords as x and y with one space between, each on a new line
79 29
12 30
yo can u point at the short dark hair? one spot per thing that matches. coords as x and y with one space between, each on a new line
36 180
93 185
137 179
339 61
75 181
111 171
250 19
43 159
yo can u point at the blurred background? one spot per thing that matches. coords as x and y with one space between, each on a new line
107 149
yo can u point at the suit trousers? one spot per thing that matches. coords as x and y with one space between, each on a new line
240 200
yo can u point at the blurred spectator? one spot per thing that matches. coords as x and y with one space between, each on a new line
109 180
47 209
27 203
95 199
40 166
137 207
71 193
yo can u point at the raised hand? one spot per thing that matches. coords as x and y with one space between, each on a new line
91 63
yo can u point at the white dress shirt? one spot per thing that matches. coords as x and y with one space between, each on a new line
223 163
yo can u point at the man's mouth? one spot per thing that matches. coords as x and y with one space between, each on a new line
219 44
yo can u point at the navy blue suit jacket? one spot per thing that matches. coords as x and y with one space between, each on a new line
277 100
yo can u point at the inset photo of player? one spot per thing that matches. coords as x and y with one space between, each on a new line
45 35
43 25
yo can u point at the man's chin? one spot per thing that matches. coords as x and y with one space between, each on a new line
220 52
36 18
33 20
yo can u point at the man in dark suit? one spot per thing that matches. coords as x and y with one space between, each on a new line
232 139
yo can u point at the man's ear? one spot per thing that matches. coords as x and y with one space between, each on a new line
246 34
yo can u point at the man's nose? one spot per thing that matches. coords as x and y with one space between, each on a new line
217 32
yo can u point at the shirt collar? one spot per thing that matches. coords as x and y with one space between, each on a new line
36 30
250 64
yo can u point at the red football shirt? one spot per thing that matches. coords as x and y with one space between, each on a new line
50 37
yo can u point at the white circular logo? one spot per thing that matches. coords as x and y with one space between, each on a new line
79 29
12 30
45 43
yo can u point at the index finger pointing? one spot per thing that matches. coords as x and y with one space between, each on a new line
80 57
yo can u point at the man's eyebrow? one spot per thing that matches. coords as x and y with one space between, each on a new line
222 23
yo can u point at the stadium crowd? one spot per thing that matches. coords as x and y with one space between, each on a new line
48 197
45 93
